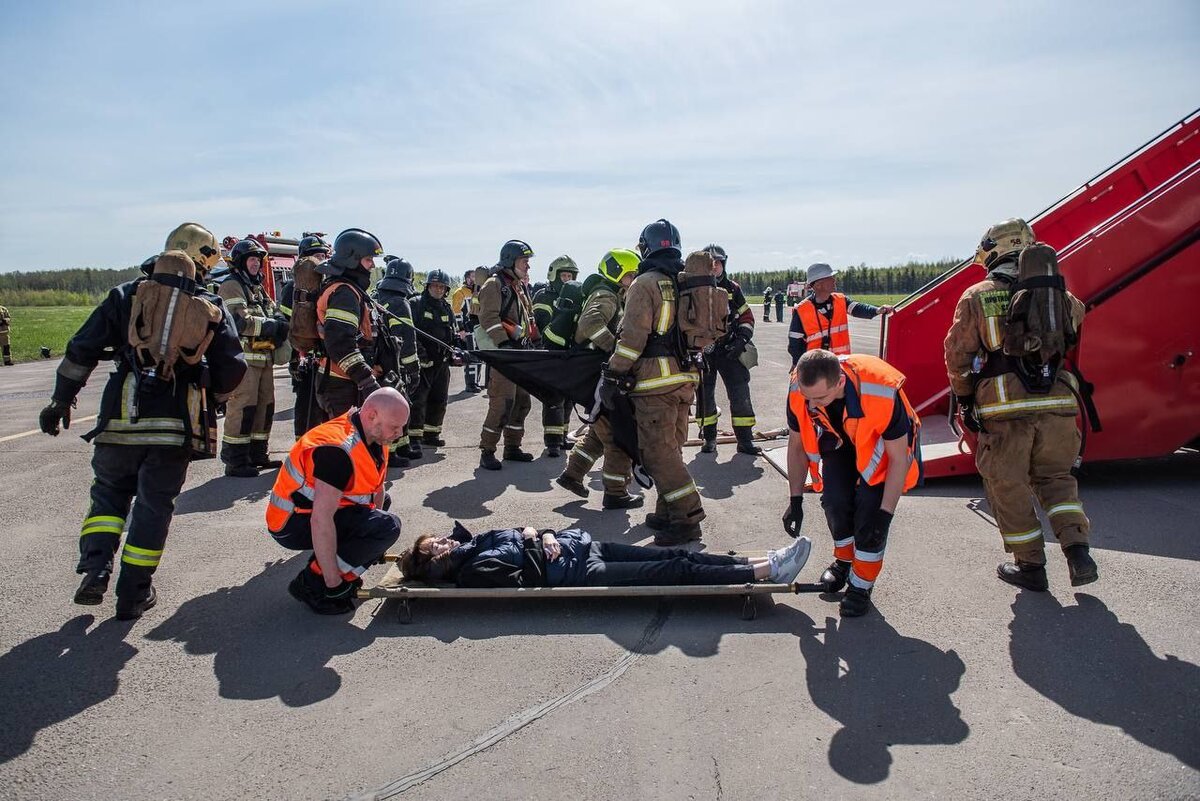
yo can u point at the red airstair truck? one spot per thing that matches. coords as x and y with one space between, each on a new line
1128 247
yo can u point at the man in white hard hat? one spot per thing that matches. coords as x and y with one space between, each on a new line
821 320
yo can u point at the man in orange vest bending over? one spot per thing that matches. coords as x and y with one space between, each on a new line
854 432
821 320
329 497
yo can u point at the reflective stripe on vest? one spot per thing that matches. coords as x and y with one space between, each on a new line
878 385
362 323
296 478
817 327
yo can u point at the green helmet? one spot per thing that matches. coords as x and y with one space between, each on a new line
616 264
1002 239
563 264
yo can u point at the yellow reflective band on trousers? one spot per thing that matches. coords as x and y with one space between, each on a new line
682 492
744 421
102 524
710 420
1064 508
1023 536
141 557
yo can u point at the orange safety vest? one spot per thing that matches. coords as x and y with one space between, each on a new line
817 328
296 475
877 384
366 332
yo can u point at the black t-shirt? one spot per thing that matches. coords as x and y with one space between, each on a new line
334 466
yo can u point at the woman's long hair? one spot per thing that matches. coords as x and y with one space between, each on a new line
418 566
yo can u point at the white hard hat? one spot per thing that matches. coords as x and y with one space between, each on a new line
818 271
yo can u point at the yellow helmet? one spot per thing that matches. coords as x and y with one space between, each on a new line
616 264
196 241
1003 238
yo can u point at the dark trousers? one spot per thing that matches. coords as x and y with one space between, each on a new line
363 536
779 312
736 378
148 478
613 564
307 411
849 504
336 395
429 401
554 421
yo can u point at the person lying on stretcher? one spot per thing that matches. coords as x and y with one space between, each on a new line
527 557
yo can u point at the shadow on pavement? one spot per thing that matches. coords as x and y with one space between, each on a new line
465 501
222 492
1094 666
57 675
884 688
265 643
717 480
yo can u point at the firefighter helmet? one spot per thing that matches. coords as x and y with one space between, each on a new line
658 237
1002 239
512 250
351 247
313 243
242 251
618 263
196 241
563 264
438 277
397 276
718 254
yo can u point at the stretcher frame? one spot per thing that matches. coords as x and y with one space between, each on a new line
394 587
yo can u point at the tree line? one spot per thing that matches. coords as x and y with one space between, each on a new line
73 287
860 279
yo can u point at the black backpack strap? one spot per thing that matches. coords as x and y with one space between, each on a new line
1041 282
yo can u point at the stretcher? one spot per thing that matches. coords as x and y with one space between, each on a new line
393 586
728 437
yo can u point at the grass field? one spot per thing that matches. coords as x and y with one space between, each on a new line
50 326
874 300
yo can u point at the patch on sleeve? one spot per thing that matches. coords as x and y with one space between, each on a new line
995 302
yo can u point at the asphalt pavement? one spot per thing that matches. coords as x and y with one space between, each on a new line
956 686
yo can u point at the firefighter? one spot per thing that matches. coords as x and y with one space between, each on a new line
346 371
460 304
312 250
329 498
780 296
820 320
392 292
147 428
1027 443
5 326
767 305
725 358
434 317
554 414
251 408
853 433
506 317
599 321
648 365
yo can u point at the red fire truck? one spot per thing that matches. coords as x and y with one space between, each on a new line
281 254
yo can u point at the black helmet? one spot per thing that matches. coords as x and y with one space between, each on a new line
243 250
313 243
718 253
397 276
147 266
513 249
659 236
351 246
438 277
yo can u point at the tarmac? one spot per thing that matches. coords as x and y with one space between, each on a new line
955 686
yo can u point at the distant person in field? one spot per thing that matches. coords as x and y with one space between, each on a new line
821 320
5 325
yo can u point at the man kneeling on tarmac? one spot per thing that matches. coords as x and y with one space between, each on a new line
329 497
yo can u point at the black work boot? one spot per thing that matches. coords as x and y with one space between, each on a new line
132 610
309 588
710 439
488 460
513 453
94 585
834 577
568 483
1080 565
1024 575
855 603
623 501
677 534
745 441
408 451
260 457
395 460
553 449
432 440
657 522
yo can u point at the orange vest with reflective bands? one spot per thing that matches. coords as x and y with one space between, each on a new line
816 327
296 475
877 384
365 331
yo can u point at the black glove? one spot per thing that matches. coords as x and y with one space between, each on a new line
794 516
57 412
735 347
970 417
367 386
881 522
412 375
613 386
280 334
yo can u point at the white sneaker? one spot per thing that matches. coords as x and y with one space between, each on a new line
786 564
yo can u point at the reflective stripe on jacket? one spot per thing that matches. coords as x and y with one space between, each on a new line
340 364
876 385
296 475
816 327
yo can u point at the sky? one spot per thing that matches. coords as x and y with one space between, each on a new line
788 132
